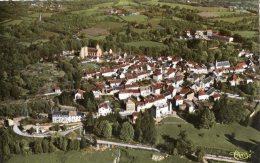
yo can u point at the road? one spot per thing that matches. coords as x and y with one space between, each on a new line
128 145
40 135
222 158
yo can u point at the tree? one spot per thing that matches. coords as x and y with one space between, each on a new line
51 147
37 147
200 153
65 98
256 154
71 145
83 142
127 132
116 129
103 128
145 129
183 144
230 111
64 144
45 146
207 119
17 148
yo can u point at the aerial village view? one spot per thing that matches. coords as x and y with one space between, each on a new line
129 81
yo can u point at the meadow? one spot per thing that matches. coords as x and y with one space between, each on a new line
127 155
217 137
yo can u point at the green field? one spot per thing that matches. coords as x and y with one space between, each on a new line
146 44
231 19
247 34
211 9
88 66
217 14
136 18
215 137
127 156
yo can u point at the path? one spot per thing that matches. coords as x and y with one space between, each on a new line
222 158
138 146
40 135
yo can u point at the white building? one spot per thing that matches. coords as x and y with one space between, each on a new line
104 109
161 110
66 116
222 64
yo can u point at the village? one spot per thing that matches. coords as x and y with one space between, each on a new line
164 84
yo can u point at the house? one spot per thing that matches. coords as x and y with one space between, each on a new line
156 88
158 76
211 91
66 116
131 78
104 109
207 82
158 111
142 76
170 73
108 72
178 100
134 117
221 38
240 67
89 74
145 91
193 77
134 86
222 64
234 80
216 96
56 89
202 95
130 104
79 95
184 91
126 93
190 106
115 82
249 81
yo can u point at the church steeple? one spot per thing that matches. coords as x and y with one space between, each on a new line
40 17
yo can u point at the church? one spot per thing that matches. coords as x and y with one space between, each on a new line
87 51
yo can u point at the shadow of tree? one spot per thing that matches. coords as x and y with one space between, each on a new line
242 144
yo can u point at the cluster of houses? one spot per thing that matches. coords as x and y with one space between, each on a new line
206 35
163 84
120 12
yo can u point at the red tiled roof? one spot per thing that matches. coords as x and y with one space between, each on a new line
129 91
201 92
104 105
178 97
216 95
81 91
132 85
184 91
234 77
170 71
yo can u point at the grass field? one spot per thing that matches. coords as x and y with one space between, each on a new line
231 19
127 156
146 44
112 26
215 137
136 18
247 34
88 66
216 14
199 8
